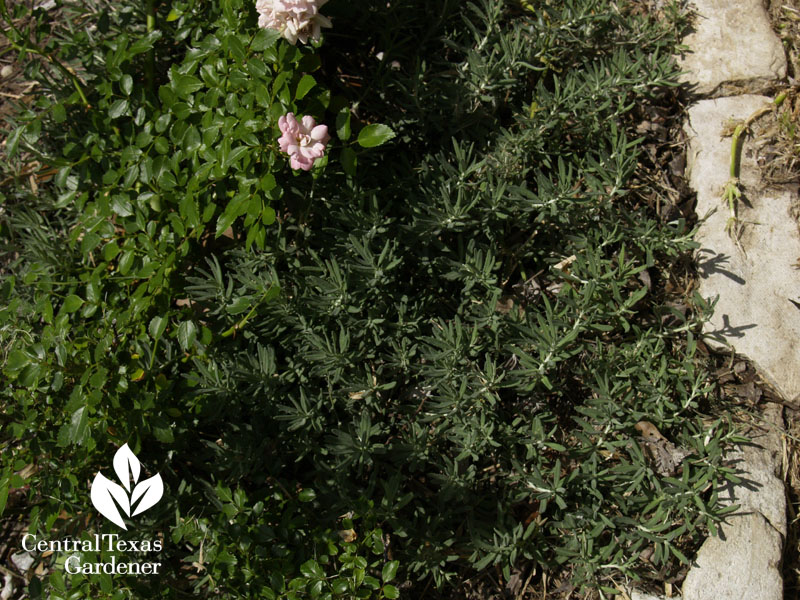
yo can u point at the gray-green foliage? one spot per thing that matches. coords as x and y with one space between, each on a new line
386 366
391 373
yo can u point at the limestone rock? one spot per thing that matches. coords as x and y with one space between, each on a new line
732 42
22 561
637 595
745 564
756 280
758 465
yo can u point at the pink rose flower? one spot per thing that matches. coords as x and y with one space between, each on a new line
304 141
294 19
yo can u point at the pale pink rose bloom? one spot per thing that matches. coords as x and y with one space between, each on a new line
294 19
304 141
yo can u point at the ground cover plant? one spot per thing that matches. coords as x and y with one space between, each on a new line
418 352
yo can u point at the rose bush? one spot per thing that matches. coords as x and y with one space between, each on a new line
159 153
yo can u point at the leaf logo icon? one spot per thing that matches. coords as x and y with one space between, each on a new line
108 497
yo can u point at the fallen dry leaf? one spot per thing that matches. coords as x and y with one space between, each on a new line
663 454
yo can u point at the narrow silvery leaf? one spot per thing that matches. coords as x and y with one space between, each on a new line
104 492
150 490
126 465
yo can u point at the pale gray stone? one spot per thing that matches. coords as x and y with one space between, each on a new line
637 595
759 466
756 280
744 562
22 560
732 42
8 588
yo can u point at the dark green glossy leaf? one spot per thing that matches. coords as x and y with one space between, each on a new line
186 84
343 124
72 303
304 86
126 84
144 44
389 571
187 334
119 108
265 38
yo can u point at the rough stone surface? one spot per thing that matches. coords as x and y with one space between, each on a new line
22 560
637 595
744 562
756 279
758 465
732 42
